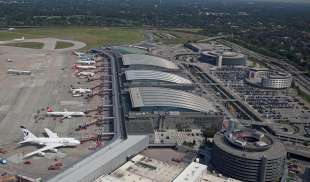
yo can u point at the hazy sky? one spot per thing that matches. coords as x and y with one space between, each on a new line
297 1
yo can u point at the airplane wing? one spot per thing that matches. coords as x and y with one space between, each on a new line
47 147
24 141
50 133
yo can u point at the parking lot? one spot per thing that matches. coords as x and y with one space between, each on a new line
273 105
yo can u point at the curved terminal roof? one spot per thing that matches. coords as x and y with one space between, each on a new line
164 97
140 59
155 75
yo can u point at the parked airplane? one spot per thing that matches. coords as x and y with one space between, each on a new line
23 38
85 74
64 114
51 143
76 66
79 54
86 62
80 91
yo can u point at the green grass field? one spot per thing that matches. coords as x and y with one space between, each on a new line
32 45
92 36
63 44
181 37
101 36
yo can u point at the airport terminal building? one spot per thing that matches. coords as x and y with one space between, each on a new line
159 97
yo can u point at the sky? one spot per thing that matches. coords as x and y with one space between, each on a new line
292 1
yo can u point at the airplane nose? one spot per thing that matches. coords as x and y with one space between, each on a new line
78 142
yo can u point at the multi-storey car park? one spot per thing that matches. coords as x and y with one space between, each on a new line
223 58
271 79
248 155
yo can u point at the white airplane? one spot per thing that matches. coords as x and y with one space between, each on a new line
51 143
85 74
86 62
21 39
79 54
64 114
80 91
76 66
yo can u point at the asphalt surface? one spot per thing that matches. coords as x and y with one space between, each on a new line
24 99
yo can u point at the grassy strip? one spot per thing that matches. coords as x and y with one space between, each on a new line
32 45
92 36
303 95
63 45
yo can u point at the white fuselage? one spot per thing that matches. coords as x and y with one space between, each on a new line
63 141
66 114
86 62
85 67
79 54
81 90
86 74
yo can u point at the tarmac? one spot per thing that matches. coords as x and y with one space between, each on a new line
25 98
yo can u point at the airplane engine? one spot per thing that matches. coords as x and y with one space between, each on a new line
54 150
41 154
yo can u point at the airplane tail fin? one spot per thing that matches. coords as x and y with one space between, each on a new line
49 109
27 134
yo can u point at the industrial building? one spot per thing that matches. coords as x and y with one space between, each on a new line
223 58
265 78
248 155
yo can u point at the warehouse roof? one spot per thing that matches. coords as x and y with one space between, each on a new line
139 59
155 75
164 97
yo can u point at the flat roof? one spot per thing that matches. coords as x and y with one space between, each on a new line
143 169
191 173
275 151
165 97
140 59
155 75
93 162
